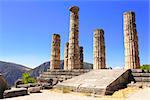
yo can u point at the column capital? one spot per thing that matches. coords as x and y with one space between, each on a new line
74 8
129 12
99 31
57 35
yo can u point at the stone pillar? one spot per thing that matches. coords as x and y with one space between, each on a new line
55 52
66 56
99 49
73 53
81 58
132 60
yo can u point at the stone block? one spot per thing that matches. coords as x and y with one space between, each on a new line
141 74
34 89
18 82
28 85
137 70
15 92
142 79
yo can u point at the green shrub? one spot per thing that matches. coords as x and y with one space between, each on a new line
27 79
145 67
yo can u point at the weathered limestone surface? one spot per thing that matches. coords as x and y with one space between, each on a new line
132 60
66 56
81 58
55 52
98 81
99 49
73 53
3 85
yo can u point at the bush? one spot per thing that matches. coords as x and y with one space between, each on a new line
145 67
27 79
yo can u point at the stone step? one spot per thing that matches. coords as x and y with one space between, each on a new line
55 76
140 71
58 78
142 79
138 84
45 80
62 73
136 70
141 74
61 70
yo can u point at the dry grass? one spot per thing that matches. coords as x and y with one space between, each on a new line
123 93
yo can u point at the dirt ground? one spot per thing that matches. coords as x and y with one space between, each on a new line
139 94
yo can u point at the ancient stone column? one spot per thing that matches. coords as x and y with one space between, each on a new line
132 60
99 49
55 52
66 56
73 53
81 58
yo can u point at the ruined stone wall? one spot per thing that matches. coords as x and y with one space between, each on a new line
55 52
99 49
132 60
73 53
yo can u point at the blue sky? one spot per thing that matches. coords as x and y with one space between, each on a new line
26 27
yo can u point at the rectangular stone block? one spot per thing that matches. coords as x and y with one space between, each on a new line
15 92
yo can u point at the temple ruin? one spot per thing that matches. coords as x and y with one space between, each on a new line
99 49
101 81
73 52
55 52
132 60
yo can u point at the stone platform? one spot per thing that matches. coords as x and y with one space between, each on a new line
60 75
101 82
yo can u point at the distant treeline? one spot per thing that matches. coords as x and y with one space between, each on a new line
145 67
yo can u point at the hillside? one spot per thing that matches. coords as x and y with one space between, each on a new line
12 71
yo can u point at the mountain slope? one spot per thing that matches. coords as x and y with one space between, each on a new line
12 71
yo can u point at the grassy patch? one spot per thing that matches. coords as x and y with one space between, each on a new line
27 79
